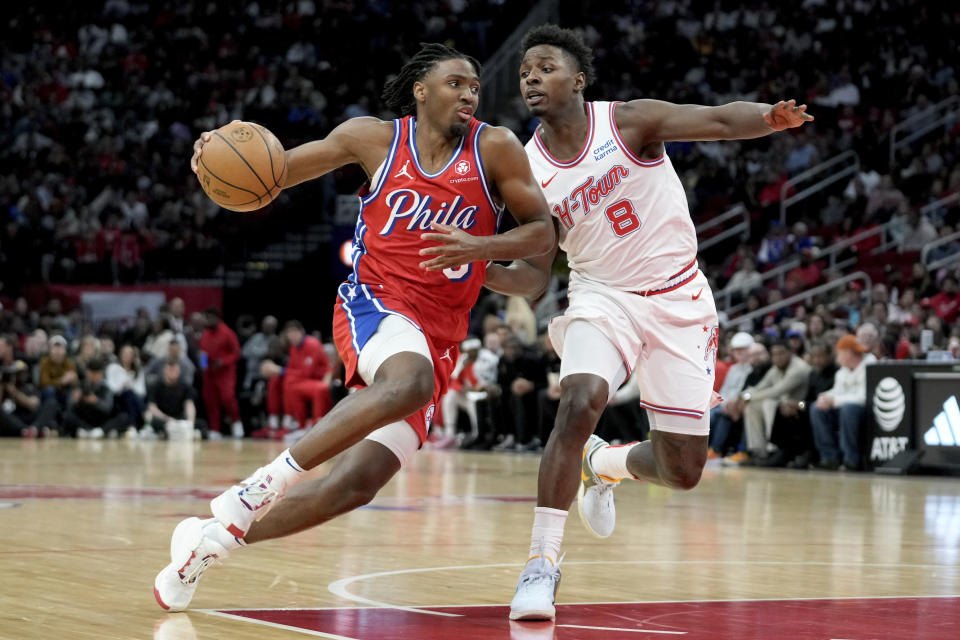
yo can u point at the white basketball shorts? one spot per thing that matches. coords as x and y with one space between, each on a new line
669 334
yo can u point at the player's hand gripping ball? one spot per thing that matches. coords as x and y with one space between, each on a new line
241 166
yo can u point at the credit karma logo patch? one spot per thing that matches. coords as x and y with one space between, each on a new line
946 426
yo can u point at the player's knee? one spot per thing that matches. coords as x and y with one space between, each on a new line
684 476
410 393
582 406
357 487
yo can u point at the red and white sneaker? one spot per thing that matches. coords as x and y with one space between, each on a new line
243 504
191 553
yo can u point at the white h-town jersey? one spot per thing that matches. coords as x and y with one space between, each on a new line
624 221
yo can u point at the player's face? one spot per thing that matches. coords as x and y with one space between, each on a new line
449 95
548 78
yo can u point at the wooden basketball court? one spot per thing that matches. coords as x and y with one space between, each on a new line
748 555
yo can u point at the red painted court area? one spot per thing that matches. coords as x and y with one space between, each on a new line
855 619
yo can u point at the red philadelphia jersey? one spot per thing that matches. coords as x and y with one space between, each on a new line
399 204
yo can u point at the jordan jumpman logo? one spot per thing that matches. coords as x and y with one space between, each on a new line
403 171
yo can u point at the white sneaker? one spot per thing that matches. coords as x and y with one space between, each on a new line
536 591
214 435
236 430
242 504
191 553
595 497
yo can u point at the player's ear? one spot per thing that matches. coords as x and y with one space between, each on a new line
419 92
580 82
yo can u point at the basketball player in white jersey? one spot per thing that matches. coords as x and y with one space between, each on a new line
637 296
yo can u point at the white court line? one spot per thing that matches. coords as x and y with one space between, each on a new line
276 625
339 587
580 626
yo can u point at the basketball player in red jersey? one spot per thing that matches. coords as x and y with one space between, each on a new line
438 182
637 296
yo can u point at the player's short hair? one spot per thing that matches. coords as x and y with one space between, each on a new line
398 92
566 39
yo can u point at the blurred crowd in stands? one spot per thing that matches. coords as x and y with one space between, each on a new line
99 105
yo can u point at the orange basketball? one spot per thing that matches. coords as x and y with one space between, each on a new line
243 166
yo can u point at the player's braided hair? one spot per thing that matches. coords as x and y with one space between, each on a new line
398 92
566 39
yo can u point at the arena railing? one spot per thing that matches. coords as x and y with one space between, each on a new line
942 114
741 228
844 165
833 255
840 283
939 242
942 203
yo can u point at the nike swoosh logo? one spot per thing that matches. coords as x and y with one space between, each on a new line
544 184
697 294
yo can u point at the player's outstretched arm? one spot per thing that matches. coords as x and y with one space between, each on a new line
644 122
509 172
358 140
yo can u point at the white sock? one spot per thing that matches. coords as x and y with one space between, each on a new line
547 533
611 461
288 422
273 422
213 529
285 470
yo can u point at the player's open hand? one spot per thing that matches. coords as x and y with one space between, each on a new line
456 248
786 115
198 147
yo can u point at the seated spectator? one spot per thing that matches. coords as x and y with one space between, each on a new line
786 379
744 280
805 276
91 404
304 380
154 371
946 304
19 398
520 373
869 337
171 406
842 408
759 359
58 374
775 245
126 380
792 430
89 349
724 416
919 231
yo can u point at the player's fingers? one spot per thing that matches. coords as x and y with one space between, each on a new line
791 103
437 237
434 251
437 264
449 228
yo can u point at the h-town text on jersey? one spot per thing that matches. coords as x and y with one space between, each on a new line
589 194
412 205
